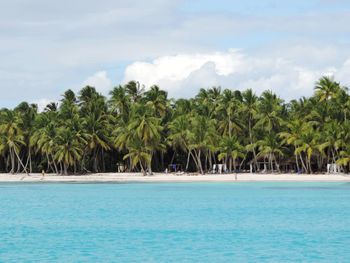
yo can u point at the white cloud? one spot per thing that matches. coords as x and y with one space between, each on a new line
42 103
100 81
65 43
184 74
180 67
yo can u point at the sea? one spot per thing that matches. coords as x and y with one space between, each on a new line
175 222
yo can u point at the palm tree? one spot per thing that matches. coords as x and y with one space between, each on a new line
270 110
228 110
178 135
95 124
326 88
11 138
134 90
344 157
27 113
90 132
249 108
140 154
270 148
292 136
307 145
157 100
144 126
120 103
201 131
230 150
69 149
43 139
96 130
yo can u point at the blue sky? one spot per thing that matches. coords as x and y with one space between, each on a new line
47 47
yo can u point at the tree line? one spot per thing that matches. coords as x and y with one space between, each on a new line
145 131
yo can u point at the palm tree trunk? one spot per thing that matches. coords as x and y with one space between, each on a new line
18 167
103 161
270 162
65 169
30 162
210 159
297 162
195 159
240 165
55 165
48 167
95 168
75 167
251 142
7 163
276 163
206 162
20 161
188 160
142 169
309 162
12 161
27 162
162 160
149 165
130 166
199 162
303 164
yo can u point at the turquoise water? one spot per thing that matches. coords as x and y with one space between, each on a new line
175 222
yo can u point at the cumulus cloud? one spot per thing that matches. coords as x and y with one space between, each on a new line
42 103
65 43
100 81
184 74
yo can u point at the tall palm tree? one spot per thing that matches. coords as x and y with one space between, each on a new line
27 113
249 108
178 135
69 149
228 112
201 131
326 88
270 148
11 138
292 136
43 139
140 154
230 150
270 110
157 100
134 90
144 126
120 103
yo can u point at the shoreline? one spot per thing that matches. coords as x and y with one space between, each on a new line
162 177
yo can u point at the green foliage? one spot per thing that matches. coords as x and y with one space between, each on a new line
145 130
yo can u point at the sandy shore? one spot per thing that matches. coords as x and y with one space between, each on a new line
162 177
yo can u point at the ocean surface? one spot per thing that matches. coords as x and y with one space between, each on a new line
175 222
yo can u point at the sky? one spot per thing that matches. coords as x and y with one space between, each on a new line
47 47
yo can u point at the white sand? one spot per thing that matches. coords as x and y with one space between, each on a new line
162 177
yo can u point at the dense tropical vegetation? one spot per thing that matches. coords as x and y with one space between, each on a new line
146 131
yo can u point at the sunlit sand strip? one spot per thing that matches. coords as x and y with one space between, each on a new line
162 177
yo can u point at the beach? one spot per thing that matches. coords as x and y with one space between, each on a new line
163 177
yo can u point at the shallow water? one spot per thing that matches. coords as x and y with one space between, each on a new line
175 222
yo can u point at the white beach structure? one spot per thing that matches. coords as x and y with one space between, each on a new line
333 168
